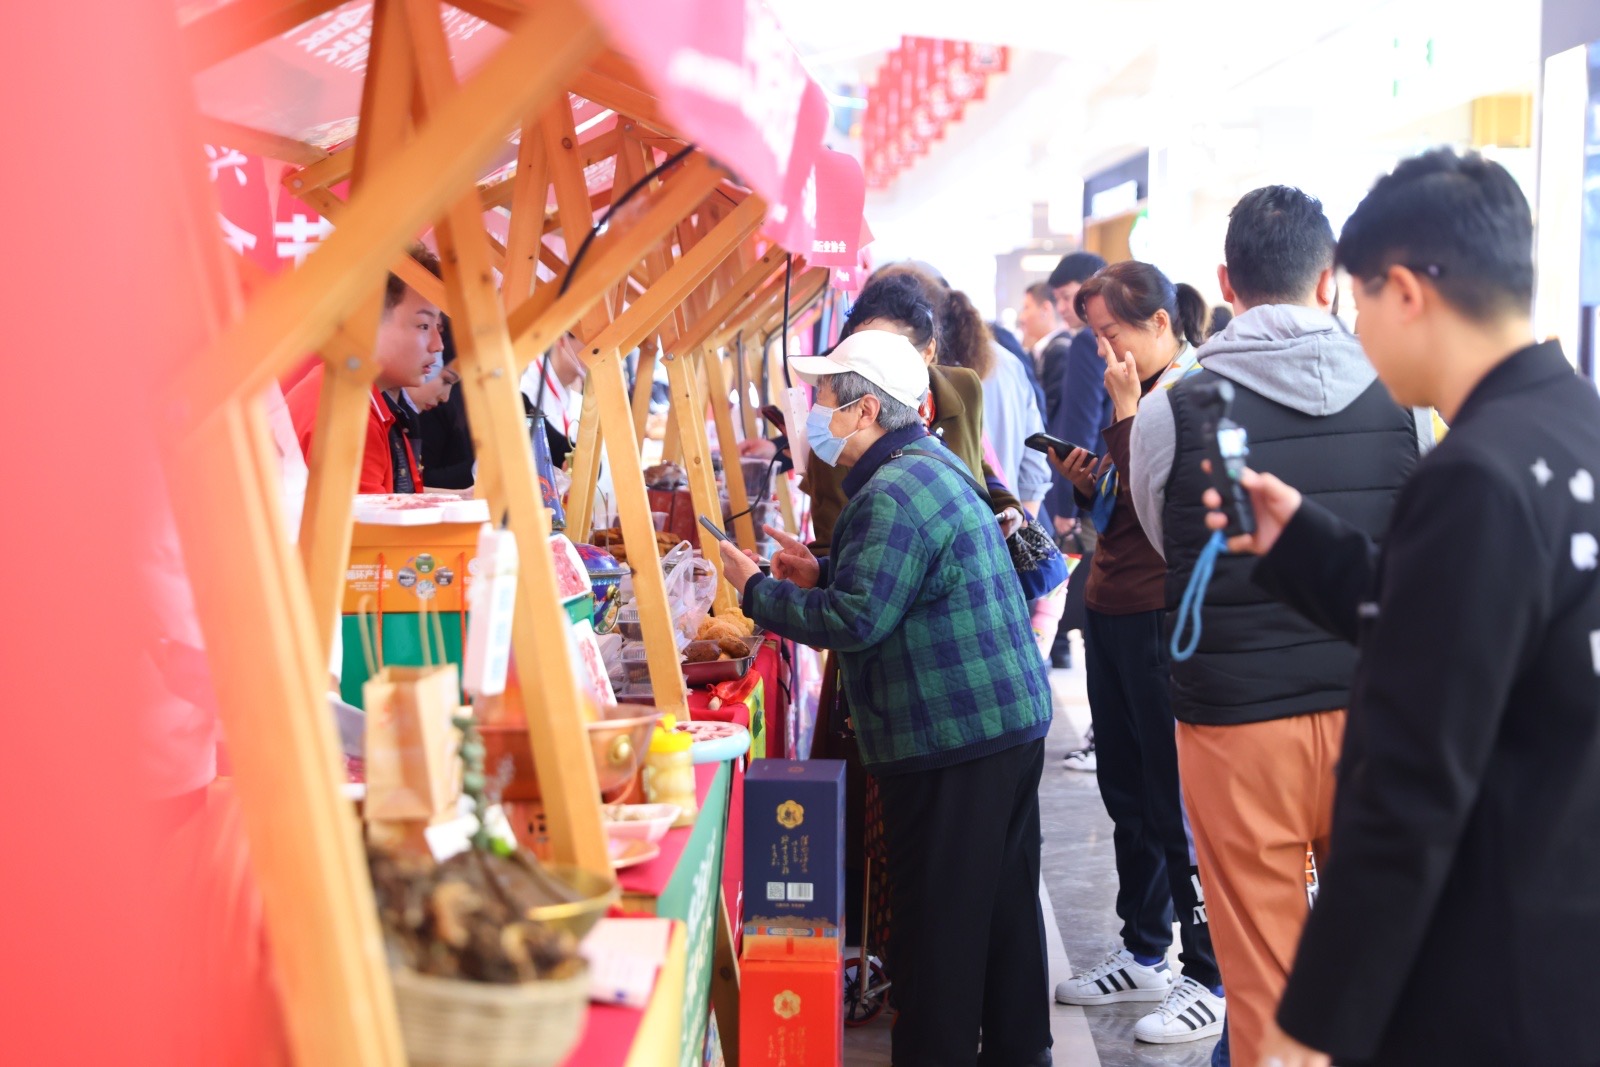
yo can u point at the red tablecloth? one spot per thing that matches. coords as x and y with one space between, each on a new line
608 1035
650 879
769 665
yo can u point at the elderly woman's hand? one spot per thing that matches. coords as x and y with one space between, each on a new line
738 566
794 561
758 448
1011 520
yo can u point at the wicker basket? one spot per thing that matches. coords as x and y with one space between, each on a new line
448 1022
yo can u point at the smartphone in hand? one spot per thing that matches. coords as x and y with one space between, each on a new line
1043 442
716 531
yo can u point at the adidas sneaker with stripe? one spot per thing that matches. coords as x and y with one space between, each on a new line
1191 1012
1117 979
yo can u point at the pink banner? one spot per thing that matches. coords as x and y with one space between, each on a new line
841 196
726 76
792 221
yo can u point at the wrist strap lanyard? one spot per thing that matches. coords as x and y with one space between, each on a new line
1194 597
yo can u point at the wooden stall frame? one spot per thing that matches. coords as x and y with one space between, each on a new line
272 680
553 696
685 275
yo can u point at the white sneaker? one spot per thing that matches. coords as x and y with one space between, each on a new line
1190 1013
1080 759
1120 977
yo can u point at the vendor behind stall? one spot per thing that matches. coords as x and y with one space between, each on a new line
920 600
553 386
406 349
449 458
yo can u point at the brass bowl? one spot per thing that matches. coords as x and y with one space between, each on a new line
618 742
598 893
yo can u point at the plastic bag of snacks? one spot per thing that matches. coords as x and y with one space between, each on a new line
691 587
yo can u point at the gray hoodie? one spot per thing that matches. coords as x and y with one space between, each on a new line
1295 356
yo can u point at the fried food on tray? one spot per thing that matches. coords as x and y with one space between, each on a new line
700 652
733 625
733 647
717 629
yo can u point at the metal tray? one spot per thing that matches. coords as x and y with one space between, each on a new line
695 675
700 675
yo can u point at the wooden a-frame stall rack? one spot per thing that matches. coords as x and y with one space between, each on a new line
684 267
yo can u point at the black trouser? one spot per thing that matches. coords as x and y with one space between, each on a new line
1136 755
967 942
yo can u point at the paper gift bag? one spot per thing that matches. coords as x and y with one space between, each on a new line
413 769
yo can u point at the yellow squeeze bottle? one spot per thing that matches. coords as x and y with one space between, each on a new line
669 771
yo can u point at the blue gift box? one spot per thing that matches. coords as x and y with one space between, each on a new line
794 840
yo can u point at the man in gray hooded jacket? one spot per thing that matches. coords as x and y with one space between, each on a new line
1260 704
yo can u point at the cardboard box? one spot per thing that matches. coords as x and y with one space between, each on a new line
791 1013
417 563
783 939
794 840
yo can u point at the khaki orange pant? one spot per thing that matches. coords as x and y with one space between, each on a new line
1258 796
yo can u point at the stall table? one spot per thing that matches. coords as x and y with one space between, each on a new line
752 715
681 883
639 1037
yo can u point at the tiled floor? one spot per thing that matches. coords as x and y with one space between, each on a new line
1079 887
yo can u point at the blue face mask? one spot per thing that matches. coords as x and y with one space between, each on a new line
819 433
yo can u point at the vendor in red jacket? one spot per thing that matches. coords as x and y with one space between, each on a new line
407 347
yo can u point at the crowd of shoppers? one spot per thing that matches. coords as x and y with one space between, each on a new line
1395 699
1392 685
1260 704
1398 696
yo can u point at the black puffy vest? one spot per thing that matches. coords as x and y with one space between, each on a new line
1257 659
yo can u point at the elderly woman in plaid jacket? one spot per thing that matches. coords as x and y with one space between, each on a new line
950 702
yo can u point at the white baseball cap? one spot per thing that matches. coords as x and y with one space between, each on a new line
884 358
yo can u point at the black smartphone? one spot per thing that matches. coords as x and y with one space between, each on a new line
1228 450
716 531
774 416
1043 442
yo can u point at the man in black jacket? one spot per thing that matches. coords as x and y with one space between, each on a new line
1079 408
1458 920
1260 705
1074 381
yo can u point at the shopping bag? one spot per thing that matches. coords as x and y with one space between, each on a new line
412 767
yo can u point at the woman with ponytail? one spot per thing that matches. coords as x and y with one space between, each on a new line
1148 330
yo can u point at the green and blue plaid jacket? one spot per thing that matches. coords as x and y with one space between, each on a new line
920 600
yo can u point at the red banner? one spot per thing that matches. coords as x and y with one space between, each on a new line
922 90
244 209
